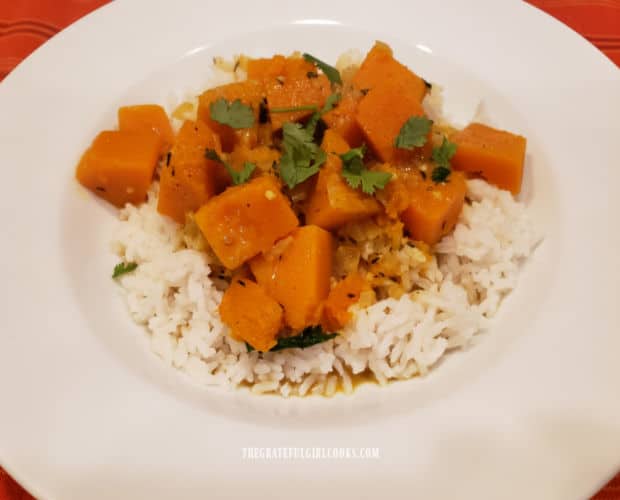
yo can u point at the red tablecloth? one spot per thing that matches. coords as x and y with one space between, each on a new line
26 24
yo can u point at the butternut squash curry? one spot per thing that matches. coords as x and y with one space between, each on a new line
276 171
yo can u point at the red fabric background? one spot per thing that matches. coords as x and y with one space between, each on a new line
26 24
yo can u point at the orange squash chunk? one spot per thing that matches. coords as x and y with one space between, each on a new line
334 143
188 180
381 114
341 120
261 156
246 220
119 166
496 155
379 66
251 314
434 208
342 296
333 202
278 67
298 275
289 82
147 117
265 69
249 93
293 92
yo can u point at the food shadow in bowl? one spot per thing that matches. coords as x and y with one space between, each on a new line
88 229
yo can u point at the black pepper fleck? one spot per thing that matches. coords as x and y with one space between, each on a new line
241 282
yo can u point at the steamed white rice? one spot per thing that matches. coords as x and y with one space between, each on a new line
172 295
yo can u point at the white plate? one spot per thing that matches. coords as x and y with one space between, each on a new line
532 411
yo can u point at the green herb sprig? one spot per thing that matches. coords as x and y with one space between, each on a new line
356 174
332 74
238 177
413 133
442 156
123 268
308 337
235 114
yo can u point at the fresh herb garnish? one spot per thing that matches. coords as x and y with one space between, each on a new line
301 157
413 133
238 177
442 156
440 174
123 268
308 337
234 114
356 174
444 153
332 74
330 102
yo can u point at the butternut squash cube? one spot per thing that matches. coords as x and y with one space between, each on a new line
188 180
246 220
333 202
379 66
342 296
495 155
295 91
147 117
249 93
381 114
251 314
262 156
298 275
434 208
341 120
119 165
289 82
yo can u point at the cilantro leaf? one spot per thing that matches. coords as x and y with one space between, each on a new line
413 133
330 102
372 180
444 153
332 74
238 177
123 268
234 114
301 157
308 337
357 175
440 174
